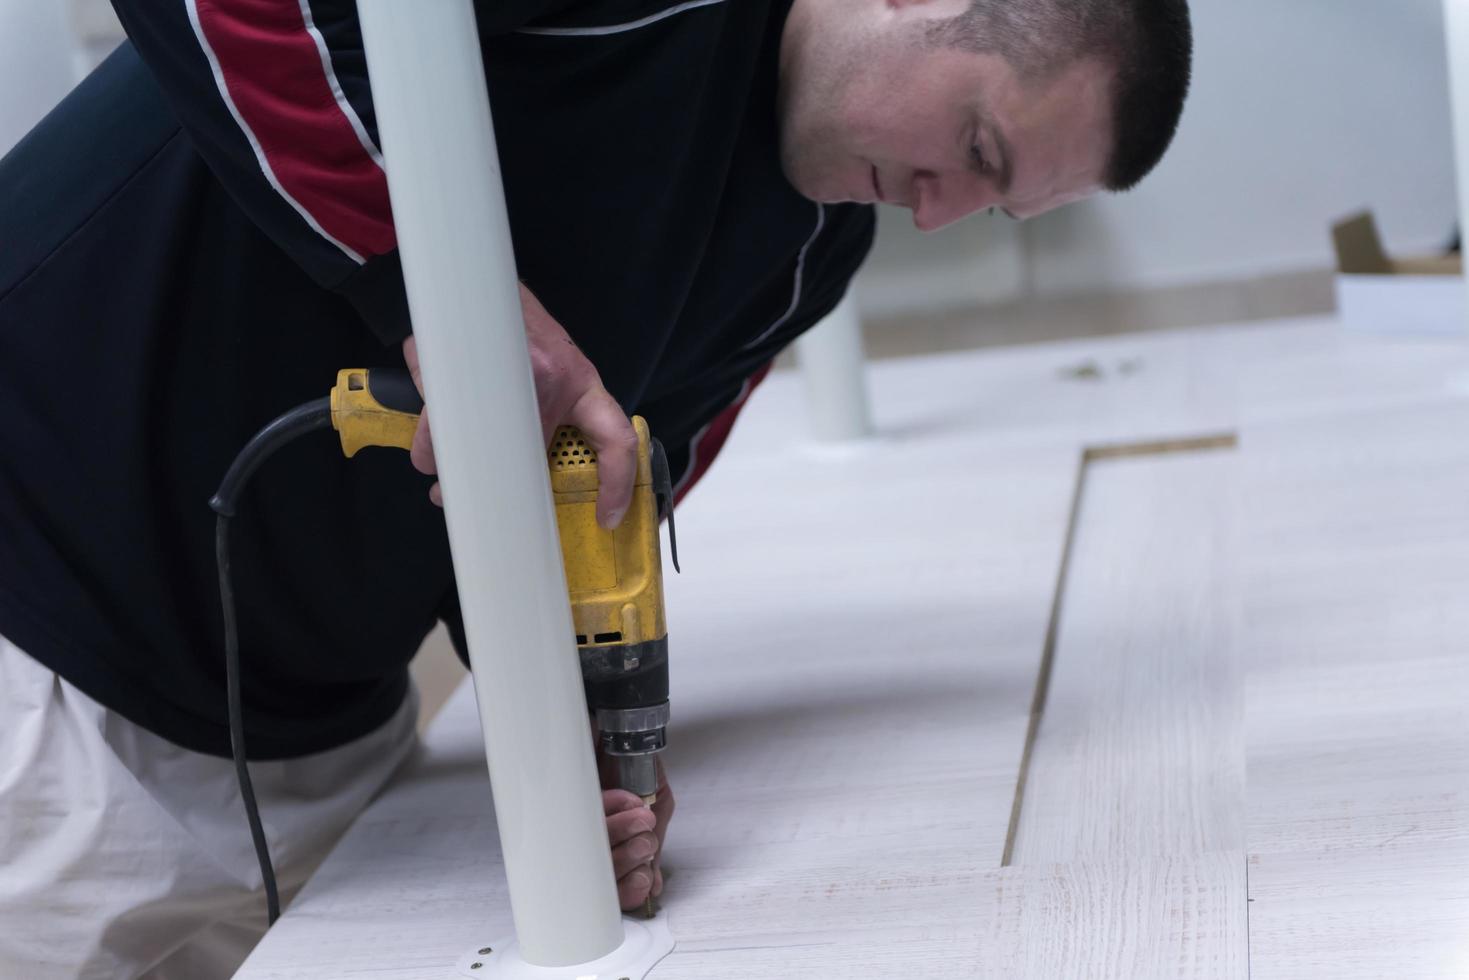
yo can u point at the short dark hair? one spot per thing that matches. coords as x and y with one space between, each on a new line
1148 43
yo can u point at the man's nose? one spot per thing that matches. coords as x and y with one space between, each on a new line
942 199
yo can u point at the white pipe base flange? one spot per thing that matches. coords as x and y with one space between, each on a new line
645 942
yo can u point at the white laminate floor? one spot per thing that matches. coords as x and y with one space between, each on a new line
1252 753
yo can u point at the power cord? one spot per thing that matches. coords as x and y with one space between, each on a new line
299 421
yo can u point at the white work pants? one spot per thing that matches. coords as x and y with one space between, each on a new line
123 855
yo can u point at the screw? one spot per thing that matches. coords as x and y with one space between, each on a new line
475 966
486 951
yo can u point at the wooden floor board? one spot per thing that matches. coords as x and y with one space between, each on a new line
1180 917
1393 909
846 731
855 645
1356 554
929 953
1128 859
1139 750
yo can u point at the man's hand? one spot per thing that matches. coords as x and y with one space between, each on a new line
636 833
569 392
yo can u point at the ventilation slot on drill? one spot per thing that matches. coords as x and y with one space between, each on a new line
607 638
581 639
570 450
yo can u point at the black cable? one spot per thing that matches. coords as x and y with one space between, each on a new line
237 722
297 422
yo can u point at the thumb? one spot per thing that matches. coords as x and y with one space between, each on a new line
612 436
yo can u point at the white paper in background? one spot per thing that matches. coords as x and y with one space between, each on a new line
1424 306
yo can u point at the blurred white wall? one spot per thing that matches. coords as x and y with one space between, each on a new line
36 63
46 47
96 30
1302 110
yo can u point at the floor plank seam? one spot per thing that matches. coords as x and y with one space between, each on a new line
1048 653
1089 455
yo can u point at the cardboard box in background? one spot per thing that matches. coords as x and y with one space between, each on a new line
1380 295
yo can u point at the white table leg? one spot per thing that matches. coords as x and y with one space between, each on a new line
832 364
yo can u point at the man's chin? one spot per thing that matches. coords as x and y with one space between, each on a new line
815 193
802 179
816 185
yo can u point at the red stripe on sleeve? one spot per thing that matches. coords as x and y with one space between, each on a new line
274 74
712 439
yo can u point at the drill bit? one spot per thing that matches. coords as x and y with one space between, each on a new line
650 908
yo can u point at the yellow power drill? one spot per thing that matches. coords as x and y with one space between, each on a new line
614 578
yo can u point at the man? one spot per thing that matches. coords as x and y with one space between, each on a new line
199 237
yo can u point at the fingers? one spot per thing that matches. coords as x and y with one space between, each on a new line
662 810
636 852
641 830
422 455
615 800
625 824
410 357
569 391
422 450
662 813
610 432
630 829
633 890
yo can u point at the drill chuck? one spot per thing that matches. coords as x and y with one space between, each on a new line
634 737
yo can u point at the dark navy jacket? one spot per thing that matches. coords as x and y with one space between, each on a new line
199 236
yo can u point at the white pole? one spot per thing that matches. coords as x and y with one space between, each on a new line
96 31
433 114
832 364
1456 31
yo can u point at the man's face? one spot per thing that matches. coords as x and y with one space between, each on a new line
870 112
